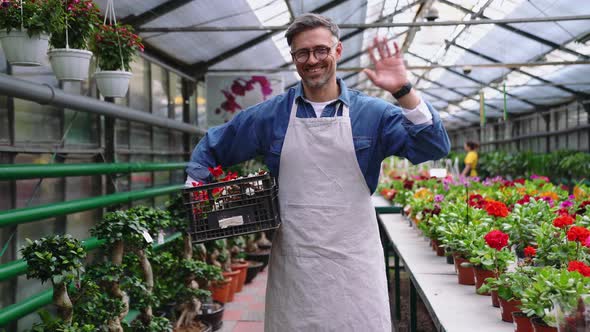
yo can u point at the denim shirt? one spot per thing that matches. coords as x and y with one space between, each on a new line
379 130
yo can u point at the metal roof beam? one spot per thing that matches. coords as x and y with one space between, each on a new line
201 67
479 82
138 20
489 58
446 101
518 31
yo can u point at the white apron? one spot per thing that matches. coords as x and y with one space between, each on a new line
327 270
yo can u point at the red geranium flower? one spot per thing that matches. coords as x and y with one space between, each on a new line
477 201
497 239
563 221
582 268
578 233
216 171
582 207
524 200
496 209
530 251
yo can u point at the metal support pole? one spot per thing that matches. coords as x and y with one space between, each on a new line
398 297
413 308
45 94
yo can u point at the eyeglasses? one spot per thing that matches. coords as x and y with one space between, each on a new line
320 53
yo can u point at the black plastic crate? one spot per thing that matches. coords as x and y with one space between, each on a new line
225 209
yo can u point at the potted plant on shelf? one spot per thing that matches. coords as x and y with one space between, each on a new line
114 47
552 287
24 30
73 24
57 259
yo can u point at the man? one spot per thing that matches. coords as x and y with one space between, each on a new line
325 143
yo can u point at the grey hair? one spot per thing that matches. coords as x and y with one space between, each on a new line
310 21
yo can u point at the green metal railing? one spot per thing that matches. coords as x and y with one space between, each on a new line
38 301
20 171
23 215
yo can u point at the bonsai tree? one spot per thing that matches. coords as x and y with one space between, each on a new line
119 229
57 259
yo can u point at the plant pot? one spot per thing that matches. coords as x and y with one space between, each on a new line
480 277
220 290
450 259
259 256
235 276
199 327
522 323
70 64
212 313
465 274
507 307
113 83
495 299
242 268
540 326
440 251
252 271
22 50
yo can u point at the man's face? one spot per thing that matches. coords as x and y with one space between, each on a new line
316 73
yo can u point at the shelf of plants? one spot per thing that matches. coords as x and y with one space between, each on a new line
526 242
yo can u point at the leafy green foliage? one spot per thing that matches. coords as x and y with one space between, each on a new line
121 226
511 285
50 324
82 21
553 247
92 304
521 223
36 15
553 286
157 324
57 258
176 209
115 46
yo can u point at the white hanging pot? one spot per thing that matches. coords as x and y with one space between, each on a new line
113 83
70 64
22 50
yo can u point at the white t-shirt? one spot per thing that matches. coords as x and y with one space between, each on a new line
318 107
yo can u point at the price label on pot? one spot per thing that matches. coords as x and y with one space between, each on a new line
147 237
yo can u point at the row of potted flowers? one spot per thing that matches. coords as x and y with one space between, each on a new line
73 32
525 242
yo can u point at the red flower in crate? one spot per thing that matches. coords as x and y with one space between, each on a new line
578 233
530 251
496 209
582 268
216 171
563 221
496 239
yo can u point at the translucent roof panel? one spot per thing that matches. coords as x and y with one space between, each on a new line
493 50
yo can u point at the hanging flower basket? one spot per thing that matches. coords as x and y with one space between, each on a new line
70 64
113 83
22 50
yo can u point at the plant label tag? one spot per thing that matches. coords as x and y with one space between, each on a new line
147 237
160 236
232 221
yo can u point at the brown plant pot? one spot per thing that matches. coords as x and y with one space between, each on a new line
259 256
440 251
235 276
507 307
220 290
464 274
522 322
495 299
480 278
242 268
540 326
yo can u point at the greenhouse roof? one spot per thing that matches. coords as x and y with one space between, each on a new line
536 54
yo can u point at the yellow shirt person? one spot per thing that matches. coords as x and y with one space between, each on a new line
470 159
